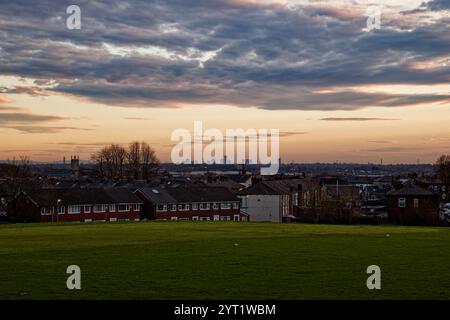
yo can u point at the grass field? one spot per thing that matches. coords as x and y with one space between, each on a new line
222 260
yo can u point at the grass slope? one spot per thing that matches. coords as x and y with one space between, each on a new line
221 260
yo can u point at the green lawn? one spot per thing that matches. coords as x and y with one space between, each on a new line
223 260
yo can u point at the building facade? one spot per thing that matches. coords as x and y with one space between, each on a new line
82 205
193 202
413 205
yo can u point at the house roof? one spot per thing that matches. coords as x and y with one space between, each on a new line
262 188
156 195
179 193
280 187
410 190
49 197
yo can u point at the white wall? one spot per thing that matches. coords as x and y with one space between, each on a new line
262 207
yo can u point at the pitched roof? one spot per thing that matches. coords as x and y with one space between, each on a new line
156 195
262 188
180 193
49 197
410 190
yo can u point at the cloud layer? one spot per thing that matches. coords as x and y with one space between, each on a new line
269 55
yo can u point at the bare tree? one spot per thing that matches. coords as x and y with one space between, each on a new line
134 159
138 159
111 161
149 159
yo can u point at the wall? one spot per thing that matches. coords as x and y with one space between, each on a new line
263 207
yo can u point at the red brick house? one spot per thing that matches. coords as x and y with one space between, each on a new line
84 205
413 205
179 201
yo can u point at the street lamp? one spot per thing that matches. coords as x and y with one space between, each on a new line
57 209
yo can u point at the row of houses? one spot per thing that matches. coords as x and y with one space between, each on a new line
221 198
166 202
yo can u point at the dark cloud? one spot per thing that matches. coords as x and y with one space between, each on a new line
438 5
165 52
43 129
32 91
33 123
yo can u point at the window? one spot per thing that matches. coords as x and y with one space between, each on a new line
225 206
174 218
204 206
112 208
216 217
173 207
136 207
74 209
194 218
61 209
416 203
244 202
195 206
99 208
401 202
204 219
45 211
123 207
87 209
225 218
215 206
235 205
183 207
161 208
236 217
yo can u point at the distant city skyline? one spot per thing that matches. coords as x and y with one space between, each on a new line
140 70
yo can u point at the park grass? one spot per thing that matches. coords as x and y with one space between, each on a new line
223 260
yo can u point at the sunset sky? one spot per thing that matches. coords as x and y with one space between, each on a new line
137 70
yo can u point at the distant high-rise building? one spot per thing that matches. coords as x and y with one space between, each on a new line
75 166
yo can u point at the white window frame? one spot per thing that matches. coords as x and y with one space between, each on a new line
136 207
194 206
127 207
225 206
216 206
195 218
235 205
70 209
112 208
402 202
183 207
103 206
164 209
236 217
63 209
172 207
46 211
204 203
89 209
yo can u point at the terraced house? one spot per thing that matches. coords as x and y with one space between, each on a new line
179 201
84 205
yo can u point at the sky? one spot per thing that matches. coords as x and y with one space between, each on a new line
138 70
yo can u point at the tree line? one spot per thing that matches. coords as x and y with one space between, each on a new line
136 161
